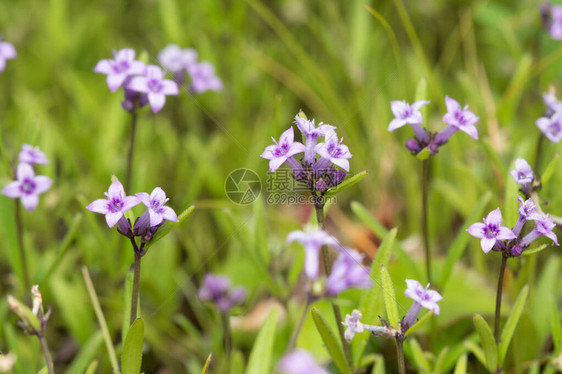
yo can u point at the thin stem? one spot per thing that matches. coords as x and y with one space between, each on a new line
538 154
499 299
425 231
297 331
136 278
23 256
131 151
46 354
227 337
400 355
319 206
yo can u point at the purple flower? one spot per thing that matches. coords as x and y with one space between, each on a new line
300 361
32 155
216 289
120 68
551 102
408 114
203 77
155 206
543 227
523 174
332 151
115 205
312 242
311 133
551 127
491 230
526 213
154 86
174 59
133 100
27 187
458 119
354 326
552 18
283 151
7 52
423 297
347 272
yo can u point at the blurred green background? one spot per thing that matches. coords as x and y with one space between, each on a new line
340 64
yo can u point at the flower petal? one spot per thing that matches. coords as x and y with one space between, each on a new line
113 218
138 84
12 190
30 202
98 206
156 101
470 130
487 244
104 67
505 234
275 163
311 262
477 229
42 183
494 217
398 107
116 190
144 198
129 202
341 162
169 87
452 105
25 171
114 81
169 214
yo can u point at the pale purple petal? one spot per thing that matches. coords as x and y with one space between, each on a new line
104 67
129 202
25 171
125 54
113 218
452 105
494 217
42 183
155 218
470 130
138 84
395 124
98 206
154 72
311 262
159 195
275 163
295 148
169 87
137 67
487 244
114 81
287 136
169 214
418 104
7 50
505 234
341 162
116 190
144 198
156 101
30 202
12 189
477 229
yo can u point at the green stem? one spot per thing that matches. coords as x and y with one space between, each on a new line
538 154
296 332
499 298
400 355
227 337
131 151
319 206
23 256
46 354
425 232
135 293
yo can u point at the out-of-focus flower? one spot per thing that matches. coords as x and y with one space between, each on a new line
552 19
28 186
7 52
551 127
332 151
405 113
543 227
120 68
312 241
175 59
347 272
116 204
32 155
203 77
7 362
216 289
457 118
523 174
300 361
491 230
153 84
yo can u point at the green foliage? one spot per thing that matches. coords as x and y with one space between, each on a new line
131 358
261 355
389 298
488 342
331 341
511 323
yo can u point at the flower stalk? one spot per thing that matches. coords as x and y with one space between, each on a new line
499 298
425 231
130 155
23 256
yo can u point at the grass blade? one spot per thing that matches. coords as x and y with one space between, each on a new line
261 355
330 340
389 298
131 360
511 324
488 342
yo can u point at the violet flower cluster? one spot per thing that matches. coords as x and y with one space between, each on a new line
183 62
347 270
551 16
511 242
117 203
142 83
457 119
7 52
27 185
217 290
319 165
423 297
550 123
300 361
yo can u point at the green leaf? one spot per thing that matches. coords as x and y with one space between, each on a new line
168 226
330 341
92 368
424 154
25 314
460 367
206 367
261 355
550 168
378 367
488 342
128 290
419 357
421 90
86 354
348 182
555 325
476 351
389 298
538 249
43 371
440 361
419 323
511 323
131 358
461 240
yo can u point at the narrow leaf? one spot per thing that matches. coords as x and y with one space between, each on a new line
419 357
168 226
131 358
555 325
440 361
476 351
419 323
348 182
206 367
389 298
460 367
261 355
511 323
538 249
92 368
128 290
488 342
423 154
550 168
378 367
330 341
87 353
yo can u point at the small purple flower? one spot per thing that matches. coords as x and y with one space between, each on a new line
332 151
523 174
115 205
408 114
156 209
120 68
491 230
552 103
311 133
28 186
32 155
7 52
551 127
354 326
133 100
423 297
300 361
526 213
174 59
312 242
216 289
154 86
543 227
347 272
203 77
283 151
457 118
552 19
413 145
